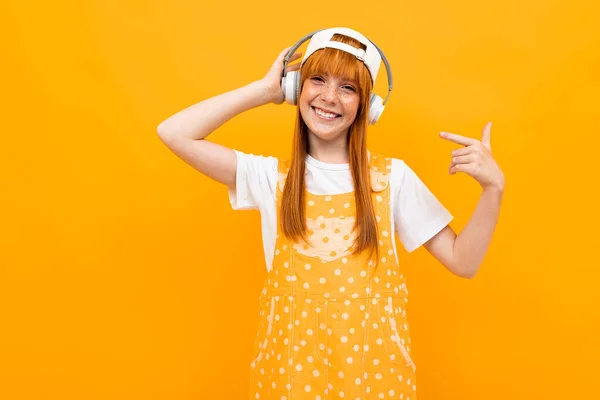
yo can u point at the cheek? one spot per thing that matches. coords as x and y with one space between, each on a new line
304 99
352 107
304 106
307 90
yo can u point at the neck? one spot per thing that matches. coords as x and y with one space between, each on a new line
331 151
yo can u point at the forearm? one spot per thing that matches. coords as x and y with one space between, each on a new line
473 241
199 120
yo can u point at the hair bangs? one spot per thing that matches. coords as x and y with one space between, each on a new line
334 62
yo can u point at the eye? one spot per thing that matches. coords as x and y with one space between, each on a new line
350 88
314 78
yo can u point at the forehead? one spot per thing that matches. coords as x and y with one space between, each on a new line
335 64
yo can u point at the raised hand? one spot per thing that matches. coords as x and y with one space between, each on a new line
272 79
475 159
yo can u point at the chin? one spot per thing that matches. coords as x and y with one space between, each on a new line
329 135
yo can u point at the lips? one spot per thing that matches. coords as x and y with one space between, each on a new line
323 110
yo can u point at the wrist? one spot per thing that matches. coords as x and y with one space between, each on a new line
266 93
497 188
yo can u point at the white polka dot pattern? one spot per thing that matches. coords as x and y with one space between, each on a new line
333 325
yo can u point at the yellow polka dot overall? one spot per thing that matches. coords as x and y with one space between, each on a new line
333 325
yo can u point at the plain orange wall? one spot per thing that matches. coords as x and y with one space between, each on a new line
124 273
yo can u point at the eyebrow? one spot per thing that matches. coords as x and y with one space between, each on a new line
344 79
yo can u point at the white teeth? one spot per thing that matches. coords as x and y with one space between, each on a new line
325 114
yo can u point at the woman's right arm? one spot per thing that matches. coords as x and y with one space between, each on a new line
184 133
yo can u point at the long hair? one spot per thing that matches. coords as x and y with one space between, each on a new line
293 208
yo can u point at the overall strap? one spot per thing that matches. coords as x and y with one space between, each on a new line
380 168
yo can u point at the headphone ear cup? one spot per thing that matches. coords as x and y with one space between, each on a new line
289 85
375 108
297 86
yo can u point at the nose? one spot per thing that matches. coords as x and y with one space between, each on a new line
329 93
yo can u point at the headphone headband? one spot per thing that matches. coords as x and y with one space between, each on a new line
366 57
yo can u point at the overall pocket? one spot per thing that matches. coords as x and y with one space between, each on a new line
396 336
265 328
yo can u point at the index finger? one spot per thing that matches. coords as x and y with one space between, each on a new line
465 141
296 56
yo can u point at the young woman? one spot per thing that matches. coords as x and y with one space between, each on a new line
333 310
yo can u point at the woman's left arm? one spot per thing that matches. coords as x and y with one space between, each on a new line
463 254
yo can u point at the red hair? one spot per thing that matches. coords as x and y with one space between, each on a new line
293 207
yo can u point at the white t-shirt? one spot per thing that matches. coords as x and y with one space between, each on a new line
416 214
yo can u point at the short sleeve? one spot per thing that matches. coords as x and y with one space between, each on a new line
418 214
255 182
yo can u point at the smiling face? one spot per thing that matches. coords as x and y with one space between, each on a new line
328 104
334 96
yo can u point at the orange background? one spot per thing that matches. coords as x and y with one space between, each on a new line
124 273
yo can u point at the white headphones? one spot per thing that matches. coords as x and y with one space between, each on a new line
372 57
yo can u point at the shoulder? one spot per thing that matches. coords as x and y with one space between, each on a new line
283 166
394 168
395 171
268 163
260 172
379 162
380 169
399 170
